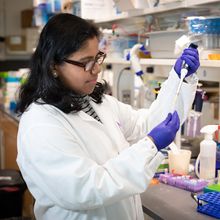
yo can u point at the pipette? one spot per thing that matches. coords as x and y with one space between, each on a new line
183 73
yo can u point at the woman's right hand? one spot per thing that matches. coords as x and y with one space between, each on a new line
164 133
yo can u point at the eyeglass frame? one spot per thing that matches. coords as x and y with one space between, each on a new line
83 64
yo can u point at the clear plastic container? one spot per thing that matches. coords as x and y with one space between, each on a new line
208 27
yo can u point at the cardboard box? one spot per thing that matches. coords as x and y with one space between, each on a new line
16 43
126 5
26 18
31 37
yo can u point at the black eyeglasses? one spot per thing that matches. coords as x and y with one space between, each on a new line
89 65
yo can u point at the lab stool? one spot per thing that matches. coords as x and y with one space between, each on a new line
12 187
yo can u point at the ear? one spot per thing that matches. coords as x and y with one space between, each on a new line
54 71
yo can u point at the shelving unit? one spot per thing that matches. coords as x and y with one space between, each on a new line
164 62
209 69
142 12
199 2
22 55
184 4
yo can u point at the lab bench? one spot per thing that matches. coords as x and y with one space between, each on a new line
165 202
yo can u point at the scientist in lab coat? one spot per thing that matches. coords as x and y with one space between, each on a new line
84 155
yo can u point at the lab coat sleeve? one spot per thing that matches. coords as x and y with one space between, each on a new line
61 170
136 125
164 102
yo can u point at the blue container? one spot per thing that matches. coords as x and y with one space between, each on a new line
209 204
204 25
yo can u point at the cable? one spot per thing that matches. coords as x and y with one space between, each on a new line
119 77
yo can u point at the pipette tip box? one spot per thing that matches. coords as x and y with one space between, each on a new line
209 204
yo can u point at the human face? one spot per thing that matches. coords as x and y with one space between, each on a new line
76 77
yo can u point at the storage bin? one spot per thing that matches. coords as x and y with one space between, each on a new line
12 188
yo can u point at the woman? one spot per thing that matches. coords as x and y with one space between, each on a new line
83 154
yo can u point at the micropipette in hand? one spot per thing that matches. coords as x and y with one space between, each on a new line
183 73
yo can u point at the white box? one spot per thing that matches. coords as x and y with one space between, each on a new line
142 4
126 5
97 9
162 43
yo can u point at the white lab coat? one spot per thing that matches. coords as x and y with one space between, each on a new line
79 168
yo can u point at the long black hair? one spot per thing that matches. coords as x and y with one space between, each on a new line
63 35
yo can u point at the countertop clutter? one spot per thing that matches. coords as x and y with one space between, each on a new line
162 201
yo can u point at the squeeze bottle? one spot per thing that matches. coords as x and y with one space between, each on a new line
207 156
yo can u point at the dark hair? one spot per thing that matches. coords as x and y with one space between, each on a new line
63 35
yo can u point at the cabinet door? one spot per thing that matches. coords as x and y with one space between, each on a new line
9 129
9 141
2 25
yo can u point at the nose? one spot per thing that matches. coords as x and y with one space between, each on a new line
96 69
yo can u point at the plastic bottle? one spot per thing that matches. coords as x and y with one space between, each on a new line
207 156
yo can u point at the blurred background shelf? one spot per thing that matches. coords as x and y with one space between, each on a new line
166 62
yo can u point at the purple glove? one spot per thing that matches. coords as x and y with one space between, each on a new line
164 133
191 57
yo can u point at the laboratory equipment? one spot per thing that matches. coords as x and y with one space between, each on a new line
108 76
207 156
123 82
208 29
209 204
133 57
212 188
192 125
183 73
174 148
185 182
179 163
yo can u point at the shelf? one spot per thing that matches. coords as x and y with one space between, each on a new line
142 12
211 89
162 8
162 62
208 71
190 3
17 55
